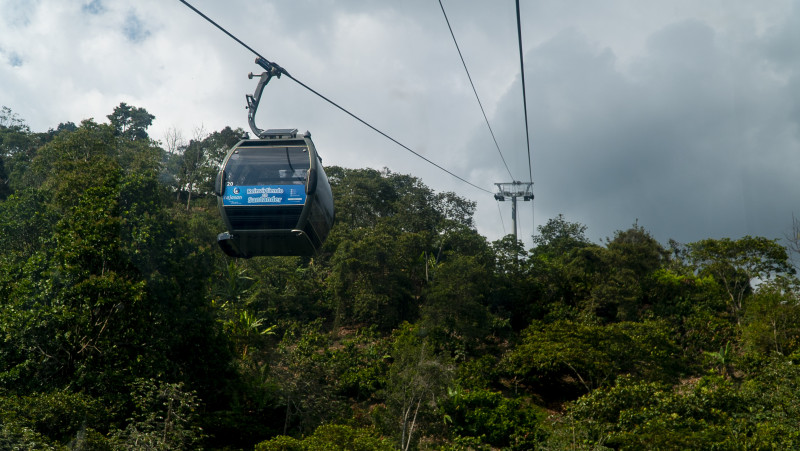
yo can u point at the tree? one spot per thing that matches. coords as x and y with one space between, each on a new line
173 173
193 158
5 187
793 240
771 321
26 223
692 305
81 287
391 234
491 418
195 165
96 291
376 276
516 295
559 237
52 420
736 264
632 257
165 418
365 196
241 320
333 437
10 119
567 358
566 267
88 143
130 122
362 196
455 313
416 385
708 412
301 374
771 397
216 145
633 414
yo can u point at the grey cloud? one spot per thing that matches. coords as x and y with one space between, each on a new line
781 45
689 139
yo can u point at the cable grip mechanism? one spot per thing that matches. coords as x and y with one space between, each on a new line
271 70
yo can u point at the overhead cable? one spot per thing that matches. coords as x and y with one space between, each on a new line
474 90
284 72
503 223
524 97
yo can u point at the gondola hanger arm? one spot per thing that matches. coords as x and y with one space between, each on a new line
271 70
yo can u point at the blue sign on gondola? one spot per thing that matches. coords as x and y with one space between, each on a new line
264 195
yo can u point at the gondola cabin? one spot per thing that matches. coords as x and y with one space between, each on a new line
274 197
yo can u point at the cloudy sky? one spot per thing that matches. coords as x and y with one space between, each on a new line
683 115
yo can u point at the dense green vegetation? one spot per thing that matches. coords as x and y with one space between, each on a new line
123 326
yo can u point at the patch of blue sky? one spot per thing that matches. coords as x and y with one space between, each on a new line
134 29
15 59
19 12
94 7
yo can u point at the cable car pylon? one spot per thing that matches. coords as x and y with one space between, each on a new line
514 190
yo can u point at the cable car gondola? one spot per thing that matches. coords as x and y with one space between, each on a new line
272 192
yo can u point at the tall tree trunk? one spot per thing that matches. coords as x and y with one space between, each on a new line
189 197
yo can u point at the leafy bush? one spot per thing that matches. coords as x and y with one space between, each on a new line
574 356
330 437
165 418
493 419
44 420
706 413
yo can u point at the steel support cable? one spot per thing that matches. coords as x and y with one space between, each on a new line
524 97
525 108
533 219
384 134
474 90
503 223
211 21
284 72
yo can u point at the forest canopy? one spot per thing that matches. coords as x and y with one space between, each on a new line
123 325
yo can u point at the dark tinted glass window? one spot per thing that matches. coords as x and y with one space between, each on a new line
250 166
